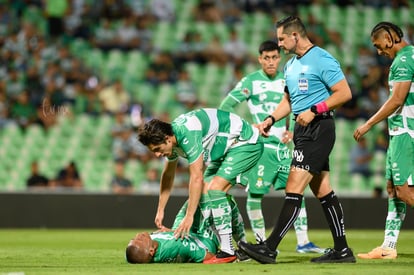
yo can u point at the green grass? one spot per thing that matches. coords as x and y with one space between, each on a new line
43 251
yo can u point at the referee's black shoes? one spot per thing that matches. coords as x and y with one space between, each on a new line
259 252
334 256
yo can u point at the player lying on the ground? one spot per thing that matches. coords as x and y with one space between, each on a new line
201 244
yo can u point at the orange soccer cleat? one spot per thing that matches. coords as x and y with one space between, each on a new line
221 258
379 253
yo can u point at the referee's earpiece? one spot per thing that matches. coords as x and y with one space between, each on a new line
296 38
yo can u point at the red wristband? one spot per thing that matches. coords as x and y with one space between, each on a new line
321 107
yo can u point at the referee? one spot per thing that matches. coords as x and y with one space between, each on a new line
315 86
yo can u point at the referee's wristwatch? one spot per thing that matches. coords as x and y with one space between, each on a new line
314 110
272 118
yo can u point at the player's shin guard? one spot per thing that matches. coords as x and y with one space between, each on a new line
221 211
395 218
255 214
237 223
301 225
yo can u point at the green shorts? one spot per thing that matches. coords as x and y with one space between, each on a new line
400 160
238 160
272 169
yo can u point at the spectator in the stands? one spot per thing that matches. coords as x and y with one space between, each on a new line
382 138
375 98
14 84
236 49
351 109
114 98
36 179
161 69
145 34
55 11
22 111
162 10
207 11
86 100
215 52
104 37
360 159
189 50
4 109
68 177
120 184
127 35
127 147
186 91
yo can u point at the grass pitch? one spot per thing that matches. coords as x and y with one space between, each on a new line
47 251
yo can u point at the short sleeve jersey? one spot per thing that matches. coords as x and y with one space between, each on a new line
188 250
402 70
211 133
263 95
310 77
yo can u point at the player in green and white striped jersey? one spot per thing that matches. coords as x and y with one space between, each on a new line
163 247
202 243
263 90
399 109
227 144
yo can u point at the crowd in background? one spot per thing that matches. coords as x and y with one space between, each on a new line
38 68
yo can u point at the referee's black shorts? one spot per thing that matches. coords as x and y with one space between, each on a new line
313 145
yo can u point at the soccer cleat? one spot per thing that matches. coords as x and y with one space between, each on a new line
259 252
333 256
241 256
310 247
221 258
379 253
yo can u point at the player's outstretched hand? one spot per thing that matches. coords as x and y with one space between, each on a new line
361 131
264 127
158 219
183 230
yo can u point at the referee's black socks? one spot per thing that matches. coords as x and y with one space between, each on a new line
287 217
335 218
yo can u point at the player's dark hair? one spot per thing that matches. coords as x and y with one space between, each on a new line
388 27
268 46
290 24
130 253
154 132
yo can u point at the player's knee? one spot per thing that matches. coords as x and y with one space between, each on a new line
406 194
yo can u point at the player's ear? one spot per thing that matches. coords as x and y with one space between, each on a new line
153 248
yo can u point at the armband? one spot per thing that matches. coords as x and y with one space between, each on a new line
320 108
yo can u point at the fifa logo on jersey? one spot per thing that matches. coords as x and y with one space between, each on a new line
298 155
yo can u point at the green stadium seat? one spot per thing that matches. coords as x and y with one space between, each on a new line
163 37
166 97
96 60
80 48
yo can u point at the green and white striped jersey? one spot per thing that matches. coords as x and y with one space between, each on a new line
192 249
211 132
401 70
262 94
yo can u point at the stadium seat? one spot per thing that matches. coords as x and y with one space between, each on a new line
96 60
80 48
115 65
